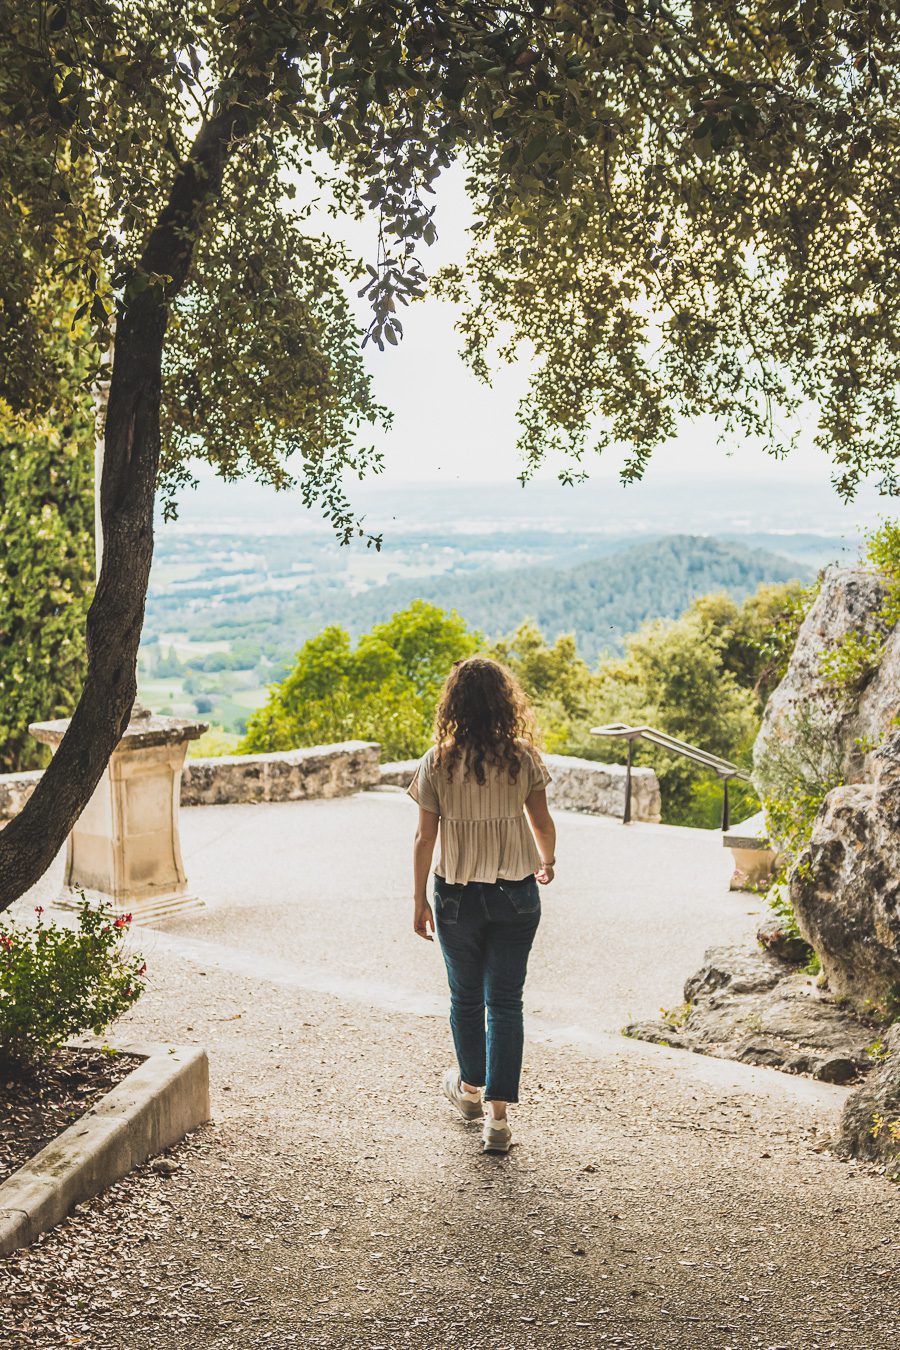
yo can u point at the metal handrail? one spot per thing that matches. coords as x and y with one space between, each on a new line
722 767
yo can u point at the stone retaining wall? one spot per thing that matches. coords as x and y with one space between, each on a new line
578 785
284 776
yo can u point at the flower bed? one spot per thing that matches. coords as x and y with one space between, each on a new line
75 1116
57 982
35 1108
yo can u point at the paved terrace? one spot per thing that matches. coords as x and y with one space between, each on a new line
653 1199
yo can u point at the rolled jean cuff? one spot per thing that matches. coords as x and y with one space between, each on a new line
510 1097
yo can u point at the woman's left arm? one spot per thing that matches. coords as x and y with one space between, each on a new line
423 855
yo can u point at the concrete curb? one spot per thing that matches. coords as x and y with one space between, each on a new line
155 1106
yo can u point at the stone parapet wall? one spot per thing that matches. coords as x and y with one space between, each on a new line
352 766
578 785
599 789
397 772
15 789
282 776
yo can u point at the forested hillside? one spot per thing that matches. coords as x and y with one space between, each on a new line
228 616
599 601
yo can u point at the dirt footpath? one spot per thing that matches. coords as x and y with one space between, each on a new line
651 1200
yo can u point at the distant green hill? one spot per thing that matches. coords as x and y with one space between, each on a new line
600 601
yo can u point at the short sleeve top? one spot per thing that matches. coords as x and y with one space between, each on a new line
484 834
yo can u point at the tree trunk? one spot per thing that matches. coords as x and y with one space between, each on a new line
30 842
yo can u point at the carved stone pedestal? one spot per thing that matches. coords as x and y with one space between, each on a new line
755 859
125 846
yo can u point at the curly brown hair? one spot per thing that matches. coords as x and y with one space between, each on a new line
482 717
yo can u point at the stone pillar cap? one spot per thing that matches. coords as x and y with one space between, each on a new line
144 729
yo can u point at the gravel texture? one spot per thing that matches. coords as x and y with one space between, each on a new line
652 1198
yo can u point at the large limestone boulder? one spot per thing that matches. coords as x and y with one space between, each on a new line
876 714
870 1122
845 887
848 601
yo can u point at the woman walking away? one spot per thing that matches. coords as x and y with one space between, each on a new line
475 784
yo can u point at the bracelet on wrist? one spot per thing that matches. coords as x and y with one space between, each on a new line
550 863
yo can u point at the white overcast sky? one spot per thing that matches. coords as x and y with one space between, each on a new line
450 427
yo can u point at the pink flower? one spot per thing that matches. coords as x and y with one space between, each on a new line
39 909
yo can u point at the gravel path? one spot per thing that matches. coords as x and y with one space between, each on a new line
653 1199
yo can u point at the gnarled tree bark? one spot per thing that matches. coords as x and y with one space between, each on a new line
30 842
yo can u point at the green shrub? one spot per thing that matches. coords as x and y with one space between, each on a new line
882 553
57 982
383 688
46 540
848 667
672 677
214 743
704 810
795 775
778 898
756 638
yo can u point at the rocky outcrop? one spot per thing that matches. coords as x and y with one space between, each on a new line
778 937
876 713
870 1122
759 1006
577 785
849 730
749 1005
845 888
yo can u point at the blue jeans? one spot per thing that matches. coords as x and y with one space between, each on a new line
486 930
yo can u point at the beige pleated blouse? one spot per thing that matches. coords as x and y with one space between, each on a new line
484 834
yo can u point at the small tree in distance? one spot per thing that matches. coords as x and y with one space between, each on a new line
382 689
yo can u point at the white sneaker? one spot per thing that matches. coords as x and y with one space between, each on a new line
467 1103
496 1135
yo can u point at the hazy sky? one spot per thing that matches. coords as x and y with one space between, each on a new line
448 426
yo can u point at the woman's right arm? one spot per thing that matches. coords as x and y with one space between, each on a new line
423 854
544 832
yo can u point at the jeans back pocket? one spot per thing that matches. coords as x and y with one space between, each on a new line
446 898
524 895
